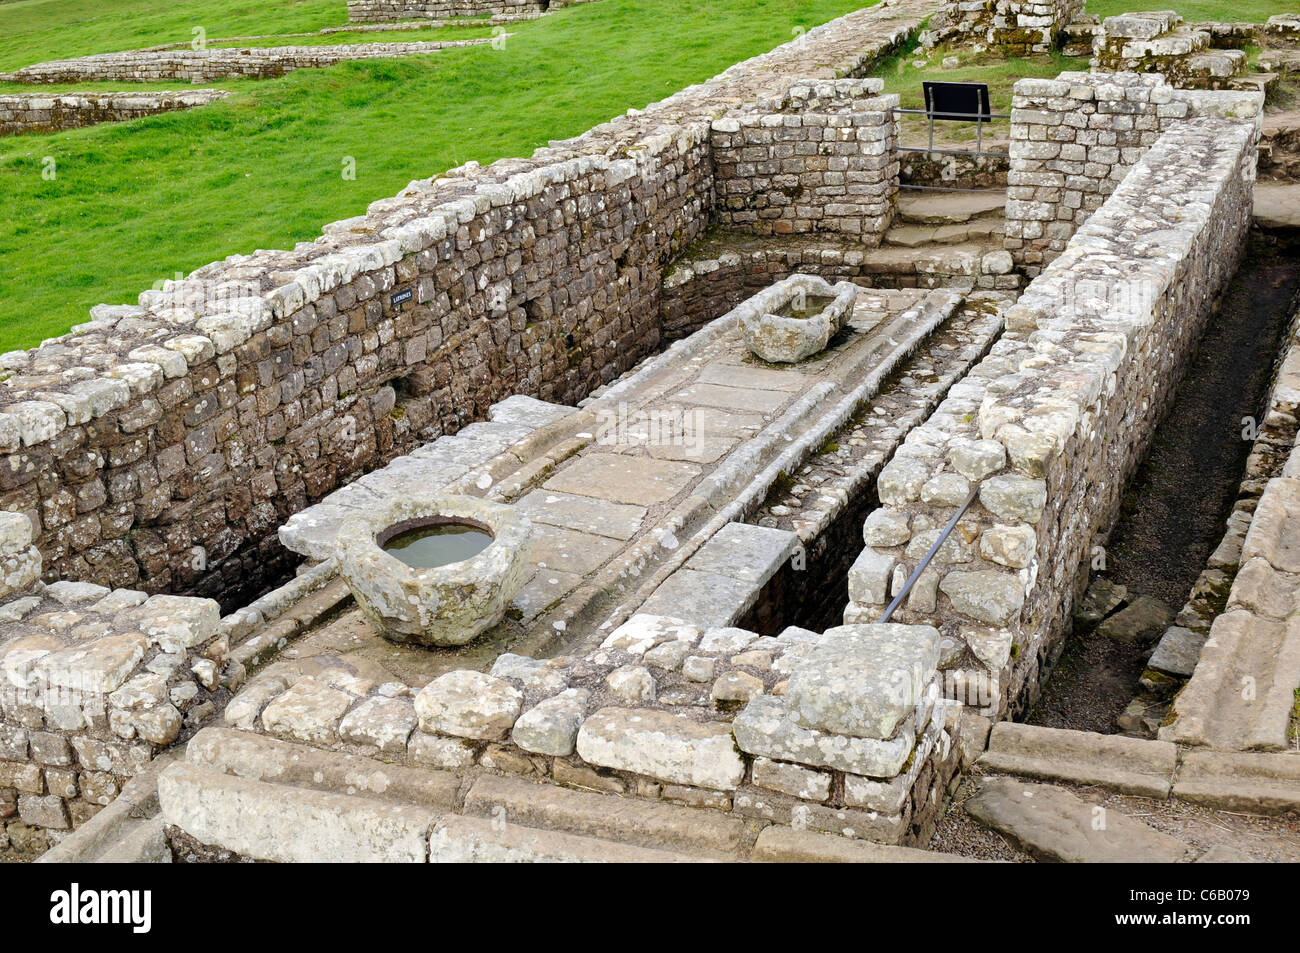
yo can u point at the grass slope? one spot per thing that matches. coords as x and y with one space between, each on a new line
134 203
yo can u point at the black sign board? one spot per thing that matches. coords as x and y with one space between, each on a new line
957 101
401 297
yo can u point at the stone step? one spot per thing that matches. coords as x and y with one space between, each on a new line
475 840
289 824
984 230
784 845
947 208
640 823
1255 783
1052 824
1277 205
1127 765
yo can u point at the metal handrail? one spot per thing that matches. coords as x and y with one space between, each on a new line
920 568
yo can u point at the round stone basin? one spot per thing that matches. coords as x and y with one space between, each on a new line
795 318
433 569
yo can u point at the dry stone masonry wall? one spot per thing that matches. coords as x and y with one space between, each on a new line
382 11
160 445
93 684
1048 428
1074 138
209 65
826 162
719 718
23 112
1159 42
1011 27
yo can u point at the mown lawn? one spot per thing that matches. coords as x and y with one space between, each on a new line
1193 11
133 203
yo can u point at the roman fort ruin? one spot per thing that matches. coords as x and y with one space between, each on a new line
778 469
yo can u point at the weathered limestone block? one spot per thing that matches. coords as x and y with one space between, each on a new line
309 711
987 595
863 680
663 745
764 728
468 705
551 727
386 723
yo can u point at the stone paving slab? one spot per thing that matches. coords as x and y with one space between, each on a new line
702 598
583 513
733 398
636 822
783 845
742 551
569 551
753 377
1230 781
1052 824
621 479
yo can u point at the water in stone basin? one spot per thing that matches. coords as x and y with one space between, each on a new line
812 305
437 544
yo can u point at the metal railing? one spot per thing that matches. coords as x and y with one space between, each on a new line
978 118
920 567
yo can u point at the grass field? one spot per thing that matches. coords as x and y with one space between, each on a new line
134 203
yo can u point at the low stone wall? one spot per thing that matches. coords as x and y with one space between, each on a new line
22 112
93 683
717 718
1160 43
160 445
1074 138
957 171
378 11
1049 427
826 162
208 65
1011 27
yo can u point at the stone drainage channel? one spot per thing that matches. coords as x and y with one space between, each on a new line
1174 511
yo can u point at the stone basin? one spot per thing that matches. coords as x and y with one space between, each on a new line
795 318
438 605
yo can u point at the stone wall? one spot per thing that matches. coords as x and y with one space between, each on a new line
1049 427
208 65
717 718
1011 27
93 683
1159 42
22 112
1074 138
373 11
160 445
826 162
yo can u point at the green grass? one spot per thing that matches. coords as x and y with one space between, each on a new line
442 35
33 30
134 203
1195 11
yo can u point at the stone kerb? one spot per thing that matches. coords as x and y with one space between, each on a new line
823 159
1053 422
843 732
379 11
160 444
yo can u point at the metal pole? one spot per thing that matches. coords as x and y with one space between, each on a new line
920 568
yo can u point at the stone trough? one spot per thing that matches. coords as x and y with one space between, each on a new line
796 318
